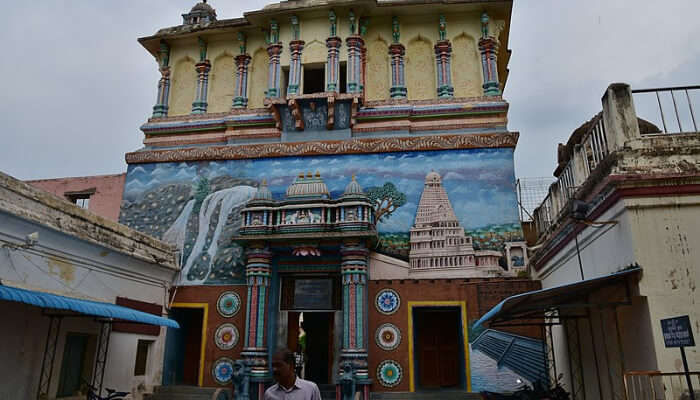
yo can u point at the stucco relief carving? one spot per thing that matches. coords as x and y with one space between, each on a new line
355 146
420 70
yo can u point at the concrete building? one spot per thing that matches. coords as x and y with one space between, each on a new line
100 194
81 299
624 257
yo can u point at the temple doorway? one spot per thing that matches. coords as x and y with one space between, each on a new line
439 348
183 353
317 337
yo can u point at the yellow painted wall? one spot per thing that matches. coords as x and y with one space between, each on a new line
257 84
419 34
182 87
466 67
378 79
420 69
221 84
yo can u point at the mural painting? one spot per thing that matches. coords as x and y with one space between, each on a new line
197 205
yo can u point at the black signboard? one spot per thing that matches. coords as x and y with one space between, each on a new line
313 294
677 332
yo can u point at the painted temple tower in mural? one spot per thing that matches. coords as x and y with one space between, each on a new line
286 160
439 246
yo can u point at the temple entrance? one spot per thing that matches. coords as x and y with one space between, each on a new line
184 347
439 348
318 342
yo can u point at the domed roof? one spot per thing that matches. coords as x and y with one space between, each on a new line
263 192
203 6
353 188
433 177
309 186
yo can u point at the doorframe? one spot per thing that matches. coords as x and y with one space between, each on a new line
462 305
203 346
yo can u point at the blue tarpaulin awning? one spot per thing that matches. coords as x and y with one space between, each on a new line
523 305
87 307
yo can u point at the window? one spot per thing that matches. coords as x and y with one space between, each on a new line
142 357
343 78
314 79
80 198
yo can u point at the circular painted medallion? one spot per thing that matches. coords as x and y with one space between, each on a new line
228 304
388 336
223 370
226 336
387 301
389 373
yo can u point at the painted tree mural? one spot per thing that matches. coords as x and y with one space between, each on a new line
386 200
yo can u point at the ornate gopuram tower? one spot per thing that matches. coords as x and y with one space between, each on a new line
286 160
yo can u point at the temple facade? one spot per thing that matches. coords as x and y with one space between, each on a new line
286 160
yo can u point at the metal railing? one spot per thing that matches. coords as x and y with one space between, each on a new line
656 385
680 97
595 144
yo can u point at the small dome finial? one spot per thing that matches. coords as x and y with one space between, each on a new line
318 174
309 174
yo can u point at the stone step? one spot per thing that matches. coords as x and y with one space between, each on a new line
181 392
436 395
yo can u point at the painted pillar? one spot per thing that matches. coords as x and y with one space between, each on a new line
488 46
258 279
199 106
274 50
240 100
161 107
397 52
355 313
296 46
443 51
355 45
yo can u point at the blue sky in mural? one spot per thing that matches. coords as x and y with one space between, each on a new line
479 182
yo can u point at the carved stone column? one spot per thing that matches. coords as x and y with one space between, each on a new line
398 86
333 64
295 47
273 74
240 100
488 46
443 52
199 106
255 348
355 45
354 282
161 107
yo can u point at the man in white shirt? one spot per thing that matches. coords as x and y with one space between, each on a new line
289 386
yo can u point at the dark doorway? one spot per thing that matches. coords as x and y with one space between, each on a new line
73 364
319 346
439 348
183 347
314 79
343 78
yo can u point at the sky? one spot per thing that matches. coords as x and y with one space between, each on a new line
76 85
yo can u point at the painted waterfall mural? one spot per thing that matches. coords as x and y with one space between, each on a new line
196 205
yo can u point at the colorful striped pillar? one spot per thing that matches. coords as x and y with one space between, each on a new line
333 63
295 47
273 74
398 85
240 100
488 46
443 52
354 279
161 107
199 106
258 279
355 45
